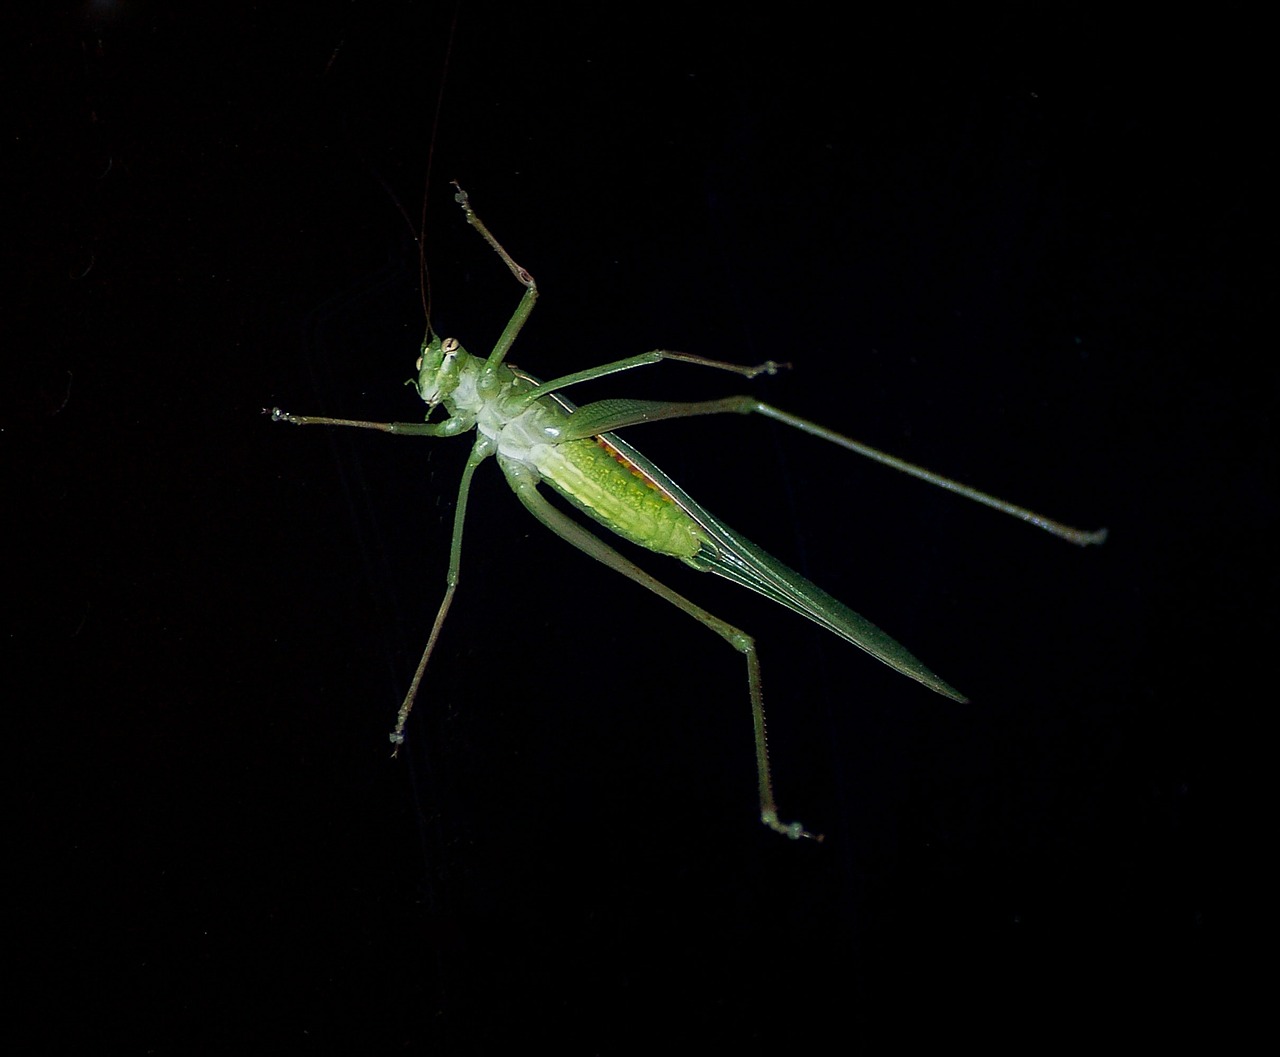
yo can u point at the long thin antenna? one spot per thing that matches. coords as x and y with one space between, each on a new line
424 274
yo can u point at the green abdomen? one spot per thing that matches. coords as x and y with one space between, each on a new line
599 481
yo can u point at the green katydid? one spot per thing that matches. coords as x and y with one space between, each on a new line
539 436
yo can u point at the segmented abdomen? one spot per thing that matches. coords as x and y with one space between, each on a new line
599 481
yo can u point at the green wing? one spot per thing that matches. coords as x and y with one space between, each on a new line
729 554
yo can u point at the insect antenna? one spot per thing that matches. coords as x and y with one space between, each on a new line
424 273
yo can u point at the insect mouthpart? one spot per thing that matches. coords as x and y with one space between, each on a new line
438 369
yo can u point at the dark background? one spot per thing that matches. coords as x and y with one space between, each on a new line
1013 246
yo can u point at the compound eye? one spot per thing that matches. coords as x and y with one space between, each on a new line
449 346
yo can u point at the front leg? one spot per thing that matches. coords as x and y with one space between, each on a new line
489 380
450 427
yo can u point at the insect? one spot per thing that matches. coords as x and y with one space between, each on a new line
539 437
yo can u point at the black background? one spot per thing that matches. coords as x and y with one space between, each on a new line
1013 246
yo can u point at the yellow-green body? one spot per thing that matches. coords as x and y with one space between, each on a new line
609 480
590 472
